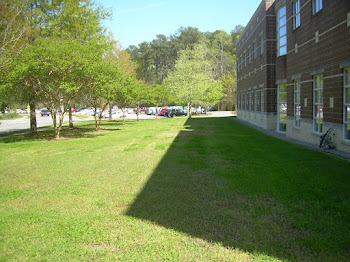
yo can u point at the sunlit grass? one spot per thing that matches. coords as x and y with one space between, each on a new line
9 116
198 190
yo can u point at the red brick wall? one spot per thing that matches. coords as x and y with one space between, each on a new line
333 48
260 70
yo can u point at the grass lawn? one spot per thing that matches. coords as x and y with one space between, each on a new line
204 189
9 116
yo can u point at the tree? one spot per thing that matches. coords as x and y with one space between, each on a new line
220 45
144 57
21 23
235 34
102 86
140 94
191 77
123 94
14 28
157 58
65 35
159 95
229 84
56 69
128 90
187 38
213 95
163 57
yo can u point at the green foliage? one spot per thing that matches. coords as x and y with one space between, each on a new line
190 80
158 58
220 51
14 29
78 20
161 95
63 57
229 84
9 116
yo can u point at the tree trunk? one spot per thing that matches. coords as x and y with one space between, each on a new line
57 133
99 120
54 121
123 110
70 118
33 125
96 120
138 112
156 111
60 124
189 110
110 112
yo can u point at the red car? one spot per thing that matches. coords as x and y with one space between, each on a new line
164 111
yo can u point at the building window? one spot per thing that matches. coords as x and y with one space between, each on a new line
282 107
296 13
255 50
281 31
297 103
255 105
245 58
262 102
318 103
250 101
241 62
239 101
347 103
238 65
250 55
261 44
317 6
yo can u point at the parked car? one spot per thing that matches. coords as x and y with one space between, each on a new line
115 114
176 112
193 110
165 111
151 111
45 112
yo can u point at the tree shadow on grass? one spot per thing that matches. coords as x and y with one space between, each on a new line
81 130
187 194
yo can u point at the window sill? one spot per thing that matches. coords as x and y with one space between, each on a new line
278 56
345 142
317 13
281 132
296 29
314 133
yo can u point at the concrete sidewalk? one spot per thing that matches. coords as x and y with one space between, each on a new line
273 133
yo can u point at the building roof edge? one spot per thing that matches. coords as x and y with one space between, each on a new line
246 27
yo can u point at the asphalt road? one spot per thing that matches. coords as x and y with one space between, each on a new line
23 124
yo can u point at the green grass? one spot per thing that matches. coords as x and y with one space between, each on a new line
9 116
204 189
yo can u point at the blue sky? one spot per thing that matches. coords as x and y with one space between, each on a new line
135 21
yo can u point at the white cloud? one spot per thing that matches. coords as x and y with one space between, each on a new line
149 6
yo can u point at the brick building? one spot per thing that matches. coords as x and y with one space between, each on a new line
293 69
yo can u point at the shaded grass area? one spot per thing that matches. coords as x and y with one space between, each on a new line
204 189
